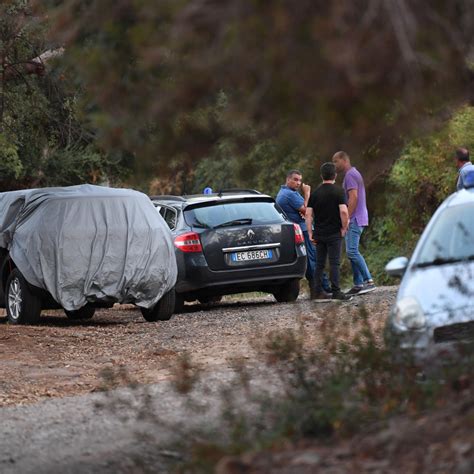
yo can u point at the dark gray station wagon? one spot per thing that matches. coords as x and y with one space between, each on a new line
233 242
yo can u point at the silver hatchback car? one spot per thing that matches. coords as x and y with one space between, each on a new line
433 317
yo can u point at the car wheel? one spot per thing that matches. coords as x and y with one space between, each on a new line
23 307
209 299
86 312
163 310
178 302
287 292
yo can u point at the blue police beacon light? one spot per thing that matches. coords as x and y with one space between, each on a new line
207 191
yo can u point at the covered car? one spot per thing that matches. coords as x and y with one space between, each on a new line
433 318
82 247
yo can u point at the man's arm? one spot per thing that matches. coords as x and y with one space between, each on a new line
308 217
298 203
352 201
344 214
306 193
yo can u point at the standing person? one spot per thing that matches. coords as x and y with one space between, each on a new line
464 166
327 206
353 185
294 206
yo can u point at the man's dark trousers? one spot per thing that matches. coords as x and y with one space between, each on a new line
328 246
311 263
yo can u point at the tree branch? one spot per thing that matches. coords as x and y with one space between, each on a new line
33 66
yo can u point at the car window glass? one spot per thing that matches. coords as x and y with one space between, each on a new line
451 237
212 216
170 218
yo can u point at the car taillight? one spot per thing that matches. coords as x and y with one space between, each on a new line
188 242
299 237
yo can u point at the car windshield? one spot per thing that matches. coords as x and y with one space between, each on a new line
233 213
451 238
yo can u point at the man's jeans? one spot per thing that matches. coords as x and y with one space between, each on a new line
360 270
328 246
311 263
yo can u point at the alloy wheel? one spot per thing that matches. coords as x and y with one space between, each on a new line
14 298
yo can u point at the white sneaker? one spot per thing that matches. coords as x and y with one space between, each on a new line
367 288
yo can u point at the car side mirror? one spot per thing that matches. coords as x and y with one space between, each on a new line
397 266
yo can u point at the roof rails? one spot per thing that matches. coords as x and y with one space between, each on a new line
237 191
167 197
220 193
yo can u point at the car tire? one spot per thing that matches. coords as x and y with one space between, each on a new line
178 302
209 299
86 312
288 292
23 307
163 310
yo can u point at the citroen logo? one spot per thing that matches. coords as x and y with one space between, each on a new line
250 234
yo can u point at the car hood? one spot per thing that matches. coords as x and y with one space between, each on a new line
442 290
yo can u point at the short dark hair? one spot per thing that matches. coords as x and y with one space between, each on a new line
342 155
462 154
292 172
328 171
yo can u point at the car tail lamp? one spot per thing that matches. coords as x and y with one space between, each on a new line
299 237
188 242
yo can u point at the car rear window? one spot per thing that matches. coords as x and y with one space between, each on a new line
451 237
216 214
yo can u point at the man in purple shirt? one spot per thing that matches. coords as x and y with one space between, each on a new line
353 185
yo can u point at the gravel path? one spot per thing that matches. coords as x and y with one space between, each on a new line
50 420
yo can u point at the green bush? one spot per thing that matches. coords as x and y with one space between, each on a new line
337 389
10 163
421 178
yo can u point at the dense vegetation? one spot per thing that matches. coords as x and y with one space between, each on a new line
45 139
406 197
178 95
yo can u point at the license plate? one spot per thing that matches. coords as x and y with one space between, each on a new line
251 255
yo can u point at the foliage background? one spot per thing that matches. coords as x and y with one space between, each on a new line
174 96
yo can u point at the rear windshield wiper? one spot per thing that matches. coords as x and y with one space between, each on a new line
443 261
234 222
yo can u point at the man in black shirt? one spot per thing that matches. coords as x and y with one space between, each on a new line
327 206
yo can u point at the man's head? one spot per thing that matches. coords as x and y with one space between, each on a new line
461 157
328 171
294 179
342 161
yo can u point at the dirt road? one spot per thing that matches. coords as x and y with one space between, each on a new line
55 419
61 358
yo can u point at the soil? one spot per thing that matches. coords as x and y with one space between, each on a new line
60 357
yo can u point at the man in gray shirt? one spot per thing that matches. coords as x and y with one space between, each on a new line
464 166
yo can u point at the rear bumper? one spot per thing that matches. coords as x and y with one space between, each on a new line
194 274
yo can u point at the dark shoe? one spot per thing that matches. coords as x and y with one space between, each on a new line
367 288
320 296
355 290
341 296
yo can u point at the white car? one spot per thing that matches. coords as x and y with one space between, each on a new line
433 318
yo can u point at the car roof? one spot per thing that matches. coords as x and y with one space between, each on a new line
464 196
208 198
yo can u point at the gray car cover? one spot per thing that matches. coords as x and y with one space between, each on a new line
89 243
